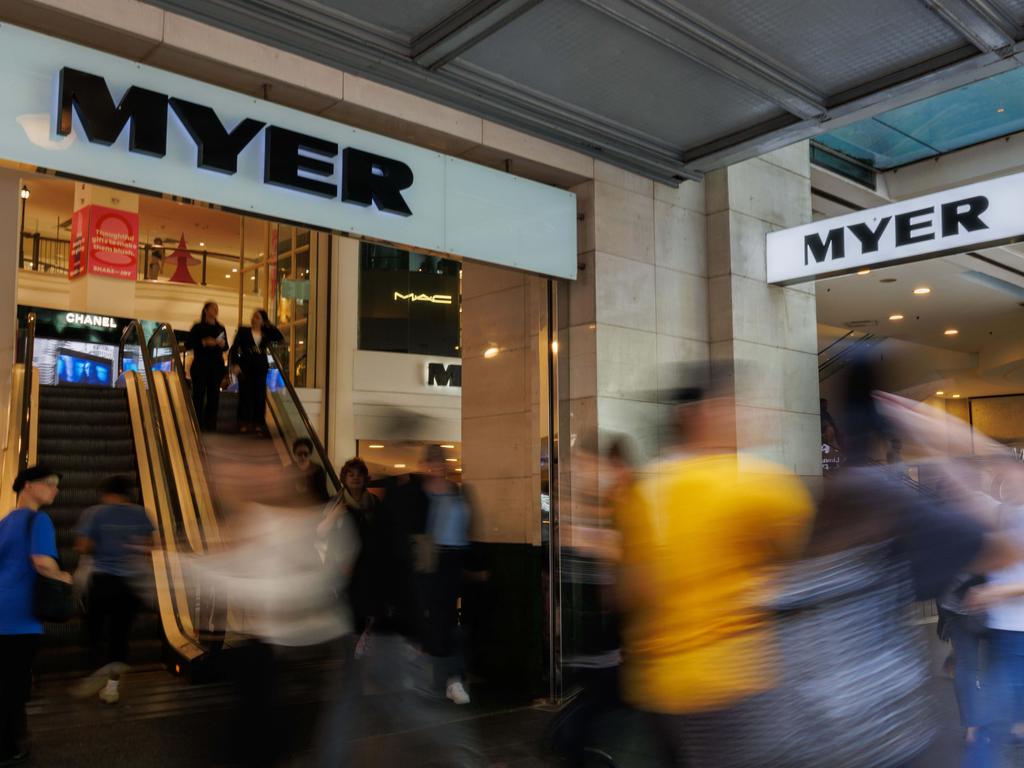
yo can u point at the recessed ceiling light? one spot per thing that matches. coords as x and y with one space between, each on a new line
399 466
895 317
491 352
951 331
453 461
375 445
234 269
448 445
228 276
922 290
458 469
940 393
202 245
1000 109
955 397
863 271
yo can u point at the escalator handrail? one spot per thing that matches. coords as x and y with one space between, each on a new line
310 432
26 397
179 369
147 365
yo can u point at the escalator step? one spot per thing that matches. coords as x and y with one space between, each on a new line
88 446
97 462
60 430
81 404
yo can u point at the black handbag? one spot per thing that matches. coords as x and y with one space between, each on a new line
53 600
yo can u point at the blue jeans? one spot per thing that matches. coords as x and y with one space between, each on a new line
966 679
1002 697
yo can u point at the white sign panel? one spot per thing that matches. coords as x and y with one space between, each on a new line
975 216
100 117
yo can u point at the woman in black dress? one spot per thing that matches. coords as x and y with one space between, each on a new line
248 357
208 339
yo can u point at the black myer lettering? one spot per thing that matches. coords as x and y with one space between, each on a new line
216 148
906 226
441 375
834 242
375 179
284 160
103 122
964 213
291 159
869 237
912 227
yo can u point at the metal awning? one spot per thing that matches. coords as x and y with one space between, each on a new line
665 88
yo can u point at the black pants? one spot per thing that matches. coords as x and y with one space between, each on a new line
17 652
252 398
112 606
444 639
206 397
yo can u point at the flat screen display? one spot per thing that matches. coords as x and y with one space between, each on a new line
77 367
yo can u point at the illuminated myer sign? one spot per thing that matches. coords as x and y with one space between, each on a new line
290 159
975 216
441 375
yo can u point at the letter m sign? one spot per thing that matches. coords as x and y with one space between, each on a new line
441 375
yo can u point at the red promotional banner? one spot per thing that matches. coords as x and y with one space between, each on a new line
79 242
104 241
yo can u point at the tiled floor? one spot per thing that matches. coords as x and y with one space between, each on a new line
164 721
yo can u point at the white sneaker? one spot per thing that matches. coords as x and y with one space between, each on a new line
456 692
110 693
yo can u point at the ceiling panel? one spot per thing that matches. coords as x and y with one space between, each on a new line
403 18
835 45
579 56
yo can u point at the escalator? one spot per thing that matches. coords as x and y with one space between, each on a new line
86 433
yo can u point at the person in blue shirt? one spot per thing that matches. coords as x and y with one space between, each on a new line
28 546
118 534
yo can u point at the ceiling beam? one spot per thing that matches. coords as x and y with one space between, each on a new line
977 21
674 27
465 28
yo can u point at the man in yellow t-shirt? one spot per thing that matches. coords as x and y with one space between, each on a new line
702 534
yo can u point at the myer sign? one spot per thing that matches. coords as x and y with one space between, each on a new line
99 117
978 215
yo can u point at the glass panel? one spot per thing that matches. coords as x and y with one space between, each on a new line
290 418
408 302
385 458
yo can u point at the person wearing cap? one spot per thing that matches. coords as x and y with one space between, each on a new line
28 546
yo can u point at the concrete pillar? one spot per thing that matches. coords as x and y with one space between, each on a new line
340 439
99 294
10 217
764 336
503 327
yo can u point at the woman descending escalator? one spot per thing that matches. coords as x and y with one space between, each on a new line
207 340
248 355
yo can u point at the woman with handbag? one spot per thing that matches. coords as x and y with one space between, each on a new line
28 553
248 355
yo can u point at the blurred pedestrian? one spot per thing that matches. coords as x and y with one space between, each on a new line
28 549
248 355
118 534
361 507
701 537
312 480
208 340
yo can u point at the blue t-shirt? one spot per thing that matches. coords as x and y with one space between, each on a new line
116 530
17 574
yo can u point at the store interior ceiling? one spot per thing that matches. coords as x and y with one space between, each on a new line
51 202
669 90
978 295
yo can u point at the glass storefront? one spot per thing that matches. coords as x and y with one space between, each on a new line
408 302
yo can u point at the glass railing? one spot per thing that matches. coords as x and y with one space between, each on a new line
291 420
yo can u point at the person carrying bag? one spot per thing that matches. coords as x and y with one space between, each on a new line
28 555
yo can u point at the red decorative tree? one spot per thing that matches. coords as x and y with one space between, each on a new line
185 260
